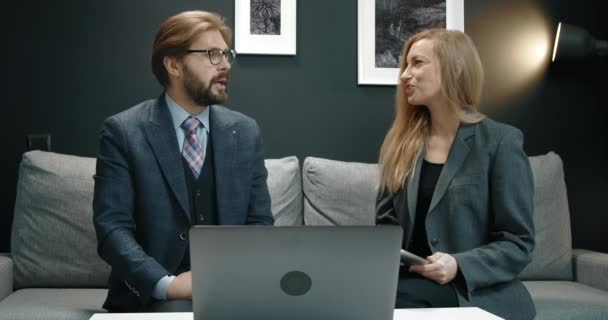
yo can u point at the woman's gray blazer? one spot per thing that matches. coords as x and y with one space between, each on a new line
480 213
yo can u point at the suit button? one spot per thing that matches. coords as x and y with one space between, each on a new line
182 236
434 242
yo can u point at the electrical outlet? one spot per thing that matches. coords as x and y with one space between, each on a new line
38 141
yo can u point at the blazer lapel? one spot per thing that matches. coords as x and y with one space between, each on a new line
224 136
458 153
160 134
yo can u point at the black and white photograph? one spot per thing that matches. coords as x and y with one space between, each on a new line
265 27
384 26
398 20
265 17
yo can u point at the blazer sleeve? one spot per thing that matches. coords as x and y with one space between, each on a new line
385 211
259 212
113 207
511 236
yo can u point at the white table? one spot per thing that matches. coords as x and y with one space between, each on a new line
400 314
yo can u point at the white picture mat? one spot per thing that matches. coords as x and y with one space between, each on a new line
247 43
368 74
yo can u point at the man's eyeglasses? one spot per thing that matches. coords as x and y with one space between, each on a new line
215 55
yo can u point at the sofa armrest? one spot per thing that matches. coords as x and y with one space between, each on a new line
591 268
6 275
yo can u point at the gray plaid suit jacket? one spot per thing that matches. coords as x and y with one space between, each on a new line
141 209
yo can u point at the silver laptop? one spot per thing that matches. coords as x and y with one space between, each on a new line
247 272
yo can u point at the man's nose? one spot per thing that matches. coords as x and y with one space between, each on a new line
224 64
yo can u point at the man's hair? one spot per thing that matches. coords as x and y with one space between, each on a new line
176 35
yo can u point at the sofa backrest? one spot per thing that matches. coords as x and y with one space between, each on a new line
339 193
552 255
285 188
53 241
344 193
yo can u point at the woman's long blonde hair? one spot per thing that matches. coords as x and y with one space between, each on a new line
461 83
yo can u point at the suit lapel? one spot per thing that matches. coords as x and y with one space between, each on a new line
458 153
160 134
224 136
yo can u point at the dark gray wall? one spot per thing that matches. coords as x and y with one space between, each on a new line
70 64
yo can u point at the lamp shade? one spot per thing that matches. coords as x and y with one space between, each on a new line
575 42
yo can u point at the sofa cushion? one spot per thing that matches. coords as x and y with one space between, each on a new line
339 193
552 255
557 300
285 187
52 304
53 242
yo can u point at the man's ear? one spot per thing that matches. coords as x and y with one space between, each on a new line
173 66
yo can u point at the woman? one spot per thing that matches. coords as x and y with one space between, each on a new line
458 183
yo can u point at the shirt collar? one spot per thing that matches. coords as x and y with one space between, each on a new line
179 114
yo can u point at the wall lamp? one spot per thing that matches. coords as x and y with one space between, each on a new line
575 42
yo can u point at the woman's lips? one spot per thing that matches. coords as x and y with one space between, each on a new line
409 88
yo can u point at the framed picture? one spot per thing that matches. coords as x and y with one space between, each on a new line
385 25
265 27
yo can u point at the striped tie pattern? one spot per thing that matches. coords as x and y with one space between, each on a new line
192 150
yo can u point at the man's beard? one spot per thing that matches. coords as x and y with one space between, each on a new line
201 94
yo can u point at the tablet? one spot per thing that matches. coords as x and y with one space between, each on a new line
408 258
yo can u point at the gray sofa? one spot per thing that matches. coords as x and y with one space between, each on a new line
53 271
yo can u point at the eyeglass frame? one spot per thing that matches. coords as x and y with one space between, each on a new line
208 51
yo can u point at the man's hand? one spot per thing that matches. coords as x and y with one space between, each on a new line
442 269
181 287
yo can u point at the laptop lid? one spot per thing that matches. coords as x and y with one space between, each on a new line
255 272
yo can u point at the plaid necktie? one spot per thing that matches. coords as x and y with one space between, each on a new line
192 150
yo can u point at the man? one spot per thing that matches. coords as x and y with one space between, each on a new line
172 162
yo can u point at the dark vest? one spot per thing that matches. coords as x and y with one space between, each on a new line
202 196
201 191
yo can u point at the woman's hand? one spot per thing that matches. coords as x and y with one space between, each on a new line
442 269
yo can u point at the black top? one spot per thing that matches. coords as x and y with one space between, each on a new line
429 174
